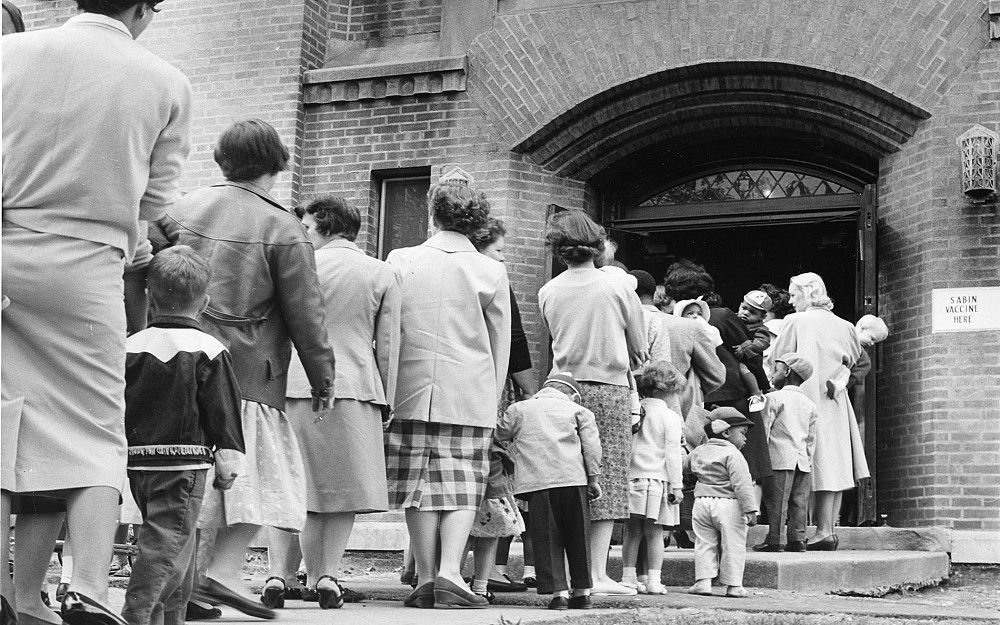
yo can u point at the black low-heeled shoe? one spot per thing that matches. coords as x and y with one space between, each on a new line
80 609
273 596
211 591
421 597
830 543
329 597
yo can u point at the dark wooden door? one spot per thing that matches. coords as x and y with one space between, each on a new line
863 396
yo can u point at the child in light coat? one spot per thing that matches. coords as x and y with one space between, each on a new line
655 488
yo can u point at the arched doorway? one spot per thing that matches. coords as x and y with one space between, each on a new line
759 170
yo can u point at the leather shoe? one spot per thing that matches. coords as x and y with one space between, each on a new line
329 597
796 546
273 596
198 612
580 602
80 609
830 543
767 547
559 603
449 594
421 597
213 592
530 581
23 618
505 585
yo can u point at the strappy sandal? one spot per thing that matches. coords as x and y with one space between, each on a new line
273 596
329 597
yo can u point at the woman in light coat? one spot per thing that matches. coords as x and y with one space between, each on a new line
827 342
453 356
342 447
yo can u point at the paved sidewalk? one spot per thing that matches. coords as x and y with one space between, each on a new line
385 606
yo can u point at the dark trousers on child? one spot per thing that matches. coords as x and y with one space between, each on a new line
559 527
787 502
163 574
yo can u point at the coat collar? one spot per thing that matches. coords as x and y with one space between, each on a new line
342 244
175 321
102 20
256 189
448 241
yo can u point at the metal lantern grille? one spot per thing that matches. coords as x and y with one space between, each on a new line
979 160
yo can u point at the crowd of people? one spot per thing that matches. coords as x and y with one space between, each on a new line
233 365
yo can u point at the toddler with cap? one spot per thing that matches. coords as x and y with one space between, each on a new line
754 307
790 425
724 504
870 330
557 451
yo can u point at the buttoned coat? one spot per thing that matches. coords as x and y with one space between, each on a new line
455 332
361 295
264 291
790 422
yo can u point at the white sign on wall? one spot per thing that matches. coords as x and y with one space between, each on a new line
965 310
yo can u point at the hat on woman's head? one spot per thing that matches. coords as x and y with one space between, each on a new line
721 419
565 379
682 305
457 176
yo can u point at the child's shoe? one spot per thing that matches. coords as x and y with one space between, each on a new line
634 583
655 588
757 403
701 587
737 592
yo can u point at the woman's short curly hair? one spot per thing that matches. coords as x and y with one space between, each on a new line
249 149
686 279
814 289
334 215
112 7
574 237
488 234
458 207
659 376
780 306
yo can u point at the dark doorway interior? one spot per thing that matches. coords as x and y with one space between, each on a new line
740 258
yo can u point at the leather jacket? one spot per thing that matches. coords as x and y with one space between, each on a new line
264 291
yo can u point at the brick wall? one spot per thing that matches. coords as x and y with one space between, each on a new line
939 398
361 20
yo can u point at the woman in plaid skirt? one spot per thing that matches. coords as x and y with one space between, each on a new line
454 346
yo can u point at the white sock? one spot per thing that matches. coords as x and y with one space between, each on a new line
561 593
479 586
529 571
67 570
628 573
653 578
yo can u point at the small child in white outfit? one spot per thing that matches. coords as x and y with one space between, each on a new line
724 505
655 488
870 330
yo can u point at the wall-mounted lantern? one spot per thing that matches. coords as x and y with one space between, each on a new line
979 162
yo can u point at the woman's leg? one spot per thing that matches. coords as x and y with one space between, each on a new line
283 557
6 583
324 540
424 538
600 541
228 554
454 532
826 500
36 536
91 519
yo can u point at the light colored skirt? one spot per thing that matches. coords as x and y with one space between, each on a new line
63 355
647 498
436 466
343 454
273 490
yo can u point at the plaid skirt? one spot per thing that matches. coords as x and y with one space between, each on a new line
436 466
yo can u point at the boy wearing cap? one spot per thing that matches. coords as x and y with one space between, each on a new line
557 452
753 308
790 425
724 504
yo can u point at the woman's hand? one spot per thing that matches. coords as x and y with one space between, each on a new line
322 398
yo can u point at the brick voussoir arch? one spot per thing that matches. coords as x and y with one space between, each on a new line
534 67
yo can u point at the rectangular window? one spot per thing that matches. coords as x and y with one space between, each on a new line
403 218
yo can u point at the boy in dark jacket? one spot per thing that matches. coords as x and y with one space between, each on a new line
182 413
